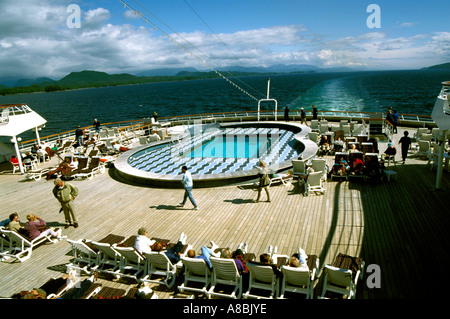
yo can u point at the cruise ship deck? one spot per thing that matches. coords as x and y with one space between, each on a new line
400 225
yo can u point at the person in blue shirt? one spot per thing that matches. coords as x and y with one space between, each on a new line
395 123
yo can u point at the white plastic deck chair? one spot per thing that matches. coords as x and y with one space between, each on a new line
320 165
21 247
314 136
340 281
143 140
225 272
195 270
424 149
323 126
358 129
297 280
347 130
83 254
159 264
420 132
261 277
108 256
314 125
4 244
283 178
298 167
315 182
131 260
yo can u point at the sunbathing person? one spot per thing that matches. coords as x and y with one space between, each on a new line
294 262
338 145
36 227
357 167
174 253
119 148
64 168
15 225
206 253
241 267
324 144
142 243
340 167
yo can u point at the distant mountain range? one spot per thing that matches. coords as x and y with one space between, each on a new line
76 78
443 66
86 79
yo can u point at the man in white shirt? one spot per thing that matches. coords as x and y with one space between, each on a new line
187 184
143 243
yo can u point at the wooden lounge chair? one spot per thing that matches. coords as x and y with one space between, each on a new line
195 270
225 272
22 247
262 277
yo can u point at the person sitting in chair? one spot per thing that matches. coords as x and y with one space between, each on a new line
390 151
340 167
174 253
36 227
142 243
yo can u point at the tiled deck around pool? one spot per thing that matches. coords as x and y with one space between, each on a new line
163 161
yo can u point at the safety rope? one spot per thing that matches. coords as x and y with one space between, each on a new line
141 15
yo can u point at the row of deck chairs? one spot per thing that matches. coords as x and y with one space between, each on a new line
277 278
274 280
349 128
18 247
120 259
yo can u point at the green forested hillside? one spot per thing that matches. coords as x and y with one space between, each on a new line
88 79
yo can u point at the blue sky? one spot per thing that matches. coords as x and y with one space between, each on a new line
36 40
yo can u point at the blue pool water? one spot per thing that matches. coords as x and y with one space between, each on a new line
233 146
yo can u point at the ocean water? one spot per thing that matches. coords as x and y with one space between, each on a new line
409 92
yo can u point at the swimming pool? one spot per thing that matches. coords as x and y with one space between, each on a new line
225 152
233 146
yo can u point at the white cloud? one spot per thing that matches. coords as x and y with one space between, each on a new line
43 45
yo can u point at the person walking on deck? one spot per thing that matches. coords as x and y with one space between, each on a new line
405 143
263 181
303 117
66 193
188 185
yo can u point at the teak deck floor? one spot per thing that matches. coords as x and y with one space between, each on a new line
401 226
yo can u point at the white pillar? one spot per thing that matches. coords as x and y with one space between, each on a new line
36 129
18 155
